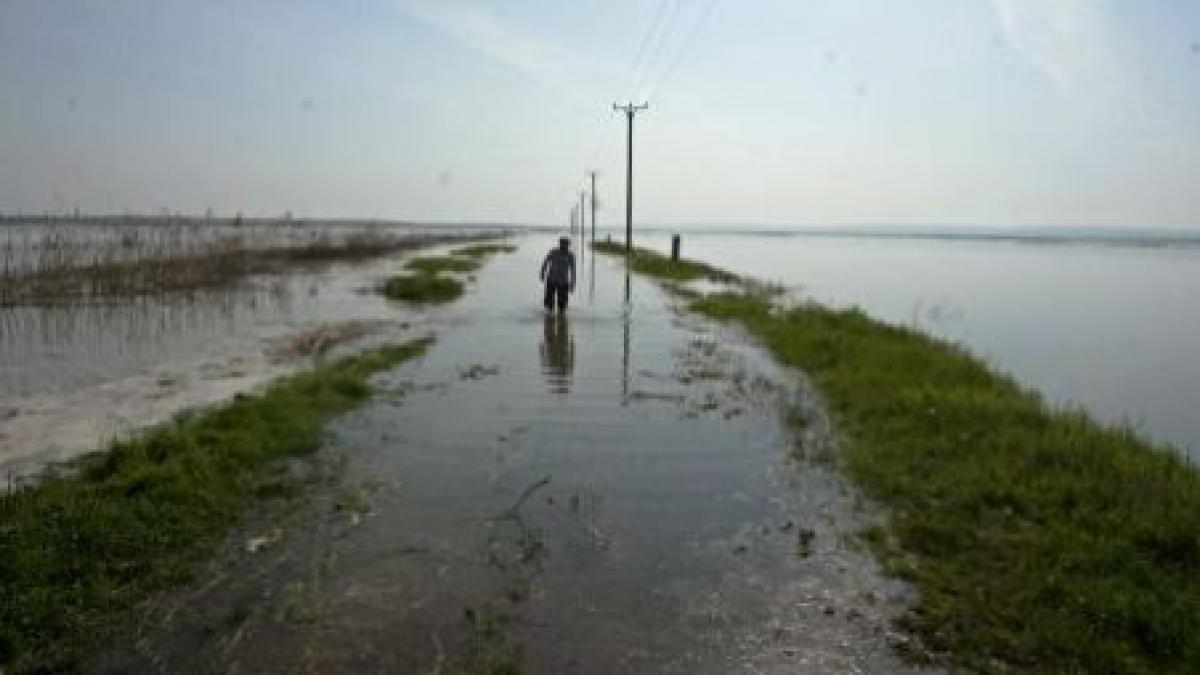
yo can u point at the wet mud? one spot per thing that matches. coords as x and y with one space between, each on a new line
624 489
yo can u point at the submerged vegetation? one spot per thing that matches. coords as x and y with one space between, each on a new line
1041 540
436 264
478 251
89 542
427 285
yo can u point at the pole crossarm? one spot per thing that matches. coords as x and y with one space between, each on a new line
631 108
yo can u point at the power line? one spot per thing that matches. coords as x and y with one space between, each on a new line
661 45
637 60
666 74
668 10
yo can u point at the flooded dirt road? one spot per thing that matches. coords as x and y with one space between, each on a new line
613 491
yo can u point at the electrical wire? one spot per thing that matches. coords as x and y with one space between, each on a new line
665 76
637 60
652 46
655 60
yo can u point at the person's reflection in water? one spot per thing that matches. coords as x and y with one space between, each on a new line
558 353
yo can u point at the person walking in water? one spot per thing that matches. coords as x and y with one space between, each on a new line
558 271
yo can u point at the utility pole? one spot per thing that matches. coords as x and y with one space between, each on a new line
629 109
582 214
592 173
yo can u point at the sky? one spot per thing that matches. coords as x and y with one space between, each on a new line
763 112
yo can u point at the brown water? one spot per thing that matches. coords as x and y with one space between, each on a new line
609 492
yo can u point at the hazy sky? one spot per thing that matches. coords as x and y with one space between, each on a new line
781 112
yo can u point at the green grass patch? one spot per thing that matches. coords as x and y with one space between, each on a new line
90 542
1041 540
651 263
437 264
423 289
479 251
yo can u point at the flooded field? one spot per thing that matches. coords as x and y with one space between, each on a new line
613 491
620 489
77 372
1108 323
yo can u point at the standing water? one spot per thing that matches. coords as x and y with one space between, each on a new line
1106 322
79 369
610 491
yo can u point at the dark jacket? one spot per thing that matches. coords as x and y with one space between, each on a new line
559 268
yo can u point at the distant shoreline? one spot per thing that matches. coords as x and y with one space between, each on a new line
1134 236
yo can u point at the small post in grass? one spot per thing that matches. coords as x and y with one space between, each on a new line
674 248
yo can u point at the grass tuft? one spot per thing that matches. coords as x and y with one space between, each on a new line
91 541
1041 540
423 289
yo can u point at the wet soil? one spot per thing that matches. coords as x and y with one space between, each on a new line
624 489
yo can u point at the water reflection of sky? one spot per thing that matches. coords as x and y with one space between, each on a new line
1110 327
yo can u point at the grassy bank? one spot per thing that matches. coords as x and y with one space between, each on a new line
91 541
653 264
1041 540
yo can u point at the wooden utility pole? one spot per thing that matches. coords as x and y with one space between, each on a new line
629 109
582 215
593 175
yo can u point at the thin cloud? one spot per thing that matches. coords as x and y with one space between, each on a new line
1067 40
486 34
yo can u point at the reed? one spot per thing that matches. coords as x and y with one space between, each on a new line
56 265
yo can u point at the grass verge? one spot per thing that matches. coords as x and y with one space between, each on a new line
653 264
1041 540
423 289
436 264
92 540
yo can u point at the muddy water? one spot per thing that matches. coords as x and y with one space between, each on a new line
613 491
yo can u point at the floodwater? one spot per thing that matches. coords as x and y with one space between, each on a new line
613 491
1104 322
75 375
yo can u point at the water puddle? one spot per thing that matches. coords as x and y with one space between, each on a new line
613 491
